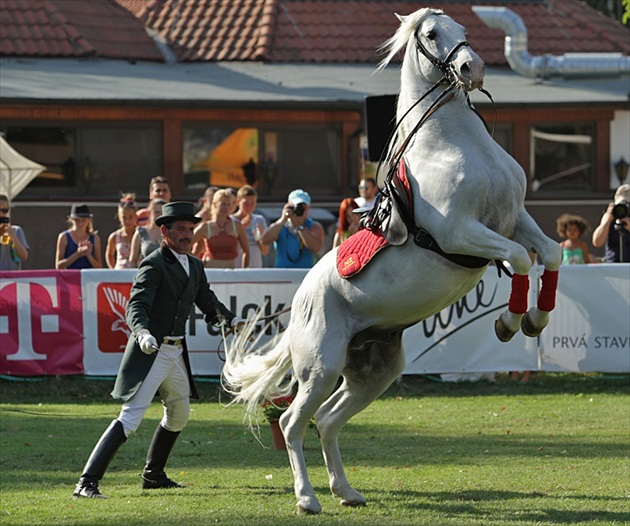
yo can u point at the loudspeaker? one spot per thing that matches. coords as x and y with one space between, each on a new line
380 121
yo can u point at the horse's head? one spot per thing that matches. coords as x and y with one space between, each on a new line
436 48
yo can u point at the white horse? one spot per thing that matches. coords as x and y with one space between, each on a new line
468 193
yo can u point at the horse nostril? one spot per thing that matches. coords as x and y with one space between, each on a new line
465 70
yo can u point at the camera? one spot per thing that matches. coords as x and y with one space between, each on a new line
4 220
621 210
299 209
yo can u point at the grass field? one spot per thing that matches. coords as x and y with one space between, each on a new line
552 451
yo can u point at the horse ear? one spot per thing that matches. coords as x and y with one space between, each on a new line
402 18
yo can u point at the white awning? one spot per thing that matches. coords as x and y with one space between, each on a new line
16 171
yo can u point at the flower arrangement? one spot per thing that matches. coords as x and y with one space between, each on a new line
273 409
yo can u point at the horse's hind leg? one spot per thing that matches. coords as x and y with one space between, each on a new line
368 374
317 378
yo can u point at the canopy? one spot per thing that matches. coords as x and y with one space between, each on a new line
16 171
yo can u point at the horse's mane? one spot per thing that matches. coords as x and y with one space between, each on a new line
409 25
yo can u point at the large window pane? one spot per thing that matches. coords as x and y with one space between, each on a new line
562 157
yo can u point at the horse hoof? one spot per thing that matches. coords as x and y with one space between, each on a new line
528 328
501 330
308 506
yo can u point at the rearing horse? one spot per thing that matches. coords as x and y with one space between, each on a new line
467 194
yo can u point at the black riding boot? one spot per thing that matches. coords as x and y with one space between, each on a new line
102 454
153 476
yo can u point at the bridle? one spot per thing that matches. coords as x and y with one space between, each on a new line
446 65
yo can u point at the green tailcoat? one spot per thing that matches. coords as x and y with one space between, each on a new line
162 297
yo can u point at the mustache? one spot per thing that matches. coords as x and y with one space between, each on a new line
186 240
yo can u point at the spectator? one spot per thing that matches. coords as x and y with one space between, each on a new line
13 245
146 239
298 238
574 251
614 232
158 189
348 221
367 192
254 224
205 203
79 247
217 239
118 250
156 361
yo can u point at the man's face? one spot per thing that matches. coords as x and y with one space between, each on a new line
367 189
179 236
160 191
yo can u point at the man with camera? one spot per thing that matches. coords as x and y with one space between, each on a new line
13 245
298 238
614 228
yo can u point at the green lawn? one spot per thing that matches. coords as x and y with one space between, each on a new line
553 451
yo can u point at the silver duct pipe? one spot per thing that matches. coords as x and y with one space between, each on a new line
569 65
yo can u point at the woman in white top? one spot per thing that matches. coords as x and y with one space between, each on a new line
254 224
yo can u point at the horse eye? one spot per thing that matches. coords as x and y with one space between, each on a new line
431 35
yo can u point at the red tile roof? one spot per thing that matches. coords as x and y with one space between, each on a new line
71 28
303 31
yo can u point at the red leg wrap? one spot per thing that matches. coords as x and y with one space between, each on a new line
518 296
547 298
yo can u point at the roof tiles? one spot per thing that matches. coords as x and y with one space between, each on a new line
281 31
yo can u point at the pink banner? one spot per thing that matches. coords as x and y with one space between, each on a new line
41 323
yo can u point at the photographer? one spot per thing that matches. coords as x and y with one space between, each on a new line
297 237
13 245
614 228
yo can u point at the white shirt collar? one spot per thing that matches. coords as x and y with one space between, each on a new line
183 260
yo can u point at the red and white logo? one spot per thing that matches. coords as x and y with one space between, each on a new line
113 332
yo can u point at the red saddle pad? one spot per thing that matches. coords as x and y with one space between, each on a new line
358 250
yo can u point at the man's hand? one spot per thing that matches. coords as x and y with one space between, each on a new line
148 344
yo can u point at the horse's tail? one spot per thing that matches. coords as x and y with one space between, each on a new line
254 376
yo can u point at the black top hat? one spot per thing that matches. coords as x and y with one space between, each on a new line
80 210
177 211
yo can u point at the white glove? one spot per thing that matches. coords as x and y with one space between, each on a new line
148 344
237 323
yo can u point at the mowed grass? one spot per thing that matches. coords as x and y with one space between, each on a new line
552 451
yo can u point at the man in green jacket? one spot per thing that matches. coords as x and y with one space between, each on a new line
168 282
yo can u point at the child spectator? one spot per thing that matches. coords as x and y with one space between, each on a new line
574 251
118 251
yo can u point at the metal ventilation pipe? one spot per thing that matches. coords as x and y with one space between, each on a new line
569 65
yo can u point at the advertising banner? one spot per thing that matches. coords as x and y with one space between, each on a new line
590 327
244 292
41 323
461 338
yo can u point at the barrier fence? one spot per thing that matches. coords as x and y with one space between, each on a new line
73 322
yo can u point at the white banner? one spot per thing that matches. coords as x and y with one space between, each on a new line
590 328
244 292
588 331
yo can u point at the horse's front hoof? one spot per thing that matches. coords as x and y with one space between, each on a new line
353 503
528 328
502 331
308 506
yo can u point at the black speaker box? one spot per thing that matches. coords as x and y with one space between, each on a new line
380 120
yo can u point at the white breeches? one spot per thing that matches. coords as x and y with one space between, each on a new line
168 378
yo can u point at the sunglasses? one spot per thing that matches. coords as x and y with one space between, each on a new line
4 210
363 187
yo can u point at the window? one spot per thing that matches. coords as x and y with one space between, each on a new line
274 160
562 157
96 159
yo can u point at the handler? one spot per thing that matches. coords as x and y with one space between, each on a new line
164 289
